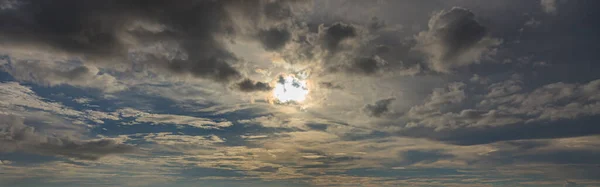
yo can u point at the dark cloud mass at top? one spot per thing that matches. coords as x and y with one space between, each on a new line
107 30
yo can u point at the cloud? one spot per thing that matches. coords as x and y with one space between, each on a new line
548 6
274 38
420 156
55 73
145 117
14 96
335 34
82 100
533 23
440 132
550 102
378 109
454 39
109 31
479 79
175 140
20 100
5 162
572 184
504 88
15 135
367 65
550 111
453 94
248 85
8 4
330 85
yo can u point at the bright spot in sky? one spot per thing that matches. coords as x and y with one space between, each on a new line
290 89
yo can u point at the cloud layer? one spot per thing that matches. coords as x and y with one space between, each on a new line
385 93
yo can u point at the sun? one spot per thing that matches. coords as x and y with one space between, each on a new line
290 89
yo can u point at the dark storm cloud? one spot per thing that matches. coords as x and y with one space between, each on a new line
17 136
367 65
248 85
455 38
106 30
378 109
335 34
274 38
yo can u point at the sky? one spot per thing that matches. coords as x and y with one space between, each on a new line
298 93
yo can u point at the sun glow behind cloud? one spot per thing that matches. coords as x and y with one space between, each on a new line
290 89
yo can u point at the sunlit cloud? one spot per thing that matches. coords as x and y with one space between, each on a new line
290 89
299 93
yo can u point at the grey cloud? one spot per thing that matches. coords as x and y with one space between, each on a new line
330 85
106 30
277 10
454 39
551 102
376 24
17 136
379 108
533 23
545 151
363 65
548 6
367 65
352 49
519 130
365 52
269 169
454 93
54 73
248 85
504 88
274 38
333 35
8 4
572 184
551 111
423 156
479 79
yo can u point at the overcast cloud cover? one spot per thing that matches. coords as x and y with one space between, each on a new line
398 93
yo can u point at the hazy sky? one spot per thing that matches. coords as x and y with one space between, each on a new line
452 93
